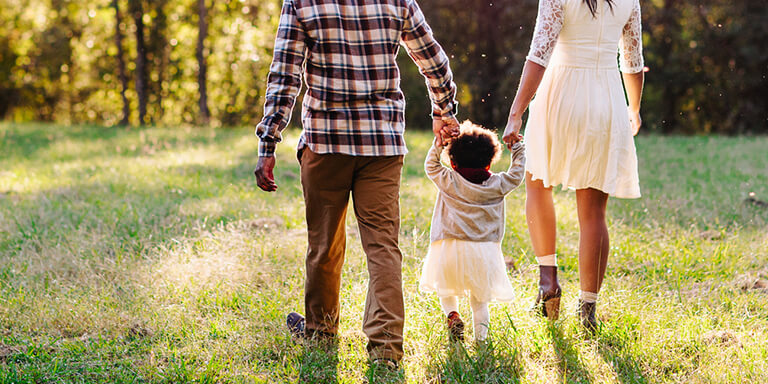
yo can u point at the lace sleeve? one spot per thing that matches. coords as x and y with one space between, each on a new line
631 43
549 22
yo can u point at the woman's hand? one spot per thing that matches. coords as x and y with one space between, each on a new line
512 131
634 121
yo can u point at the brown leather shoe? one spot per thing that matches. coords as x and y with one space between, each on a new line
455 327
548 300
587 316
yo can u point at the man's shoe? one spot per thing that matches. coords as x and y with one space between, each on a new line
455 327
296 325
383 363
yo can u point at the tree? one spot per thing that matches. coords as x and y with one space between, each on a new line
487 52
157 59
137 10
121 65
202 23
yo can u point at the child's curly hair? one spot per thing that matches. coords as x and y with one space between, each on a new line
475 147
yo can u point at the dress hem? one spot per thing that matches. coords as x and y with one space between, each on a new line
569 185
467 294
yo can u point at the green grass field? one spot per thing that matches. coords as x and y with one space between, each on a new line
150 256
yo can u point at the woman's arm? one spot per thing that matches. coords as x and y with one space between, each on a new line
633 83
549 22
632 64
529 83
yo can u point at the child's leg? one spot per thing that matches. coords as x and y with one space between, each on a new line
449 304
481 318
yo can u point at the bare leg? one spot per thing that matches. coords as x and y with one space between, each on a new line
593 238
540 214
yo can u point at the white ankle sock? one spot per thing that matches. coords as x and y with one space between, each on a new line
588 297
449 304
547 260
481 318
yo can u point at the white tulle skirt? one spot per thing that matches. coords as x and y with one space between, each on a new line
462 268
578 133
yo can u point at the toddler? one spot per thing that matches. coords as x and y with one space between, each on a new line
465 256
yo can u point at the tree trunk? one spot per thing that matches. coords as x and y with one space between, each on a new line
159 56
141 59
121 64
489 92
201 72
670 108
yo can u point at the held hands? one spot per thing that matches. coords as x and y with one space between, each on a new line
265 178
512 131
634 121
445 130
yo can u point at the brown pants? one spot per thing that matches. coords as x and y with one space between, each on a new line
374 182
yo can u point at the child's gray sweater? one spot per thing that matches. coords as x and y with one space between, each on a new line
469 211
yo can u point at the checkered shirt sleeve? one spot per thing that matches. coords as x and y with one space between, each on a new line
284 80
346 52
432 62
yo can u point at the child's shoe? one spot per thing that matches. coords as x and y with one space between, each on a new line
455 327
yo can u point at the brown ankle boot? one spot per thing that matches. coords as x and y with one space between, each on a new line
548 300
587 316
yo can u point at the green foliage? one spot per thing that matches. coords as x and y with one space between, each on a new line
58 60
707 60
149 255
708 65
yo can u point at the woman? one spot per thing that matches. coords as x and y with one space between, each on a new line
579 134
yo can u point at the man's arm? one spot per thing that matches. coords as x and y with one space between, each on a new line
283 85
433 65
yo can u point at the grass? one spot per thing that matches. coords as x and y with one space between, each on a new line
148 255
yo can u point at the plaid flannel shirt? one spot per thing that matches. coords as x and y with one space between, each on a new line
346 51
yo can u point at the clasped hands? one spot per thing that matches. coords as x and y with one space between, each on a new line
512 131
445 129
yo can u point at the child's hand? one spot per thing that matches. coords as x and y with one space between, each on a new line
445 130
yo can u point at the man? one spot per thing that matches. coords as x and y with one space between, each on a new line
352 142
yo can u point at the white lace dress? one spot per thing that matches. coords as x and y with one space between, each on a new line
578 133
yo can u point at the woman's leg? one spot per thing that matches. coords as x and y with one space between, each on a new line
593 239
481 318
540 214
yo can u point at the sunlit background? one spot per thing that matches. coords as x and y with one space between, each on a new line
707 60
147 254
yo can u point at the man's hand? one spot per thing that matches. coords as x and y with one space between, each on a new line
265 179
445 130
634 121
512 131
